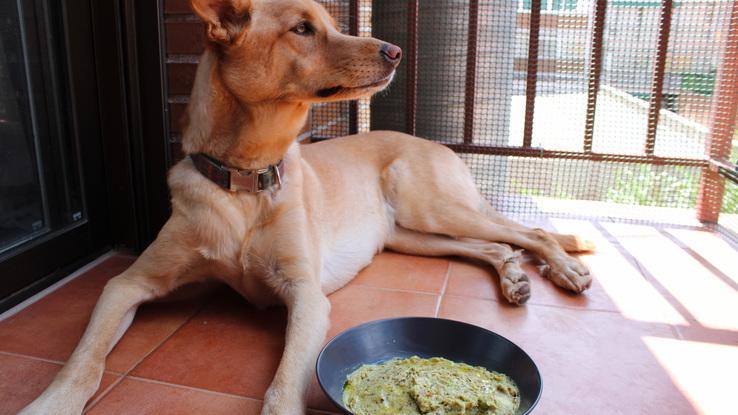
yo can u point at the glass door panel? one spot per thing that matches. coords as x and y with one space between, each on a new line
23 213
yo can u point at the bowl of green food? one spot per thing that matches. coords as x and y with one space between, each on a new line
418 365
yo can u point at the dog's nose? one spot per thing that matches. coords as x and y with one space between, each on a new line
391 53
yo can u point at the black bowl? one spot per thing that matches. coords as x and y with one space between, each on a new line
382 340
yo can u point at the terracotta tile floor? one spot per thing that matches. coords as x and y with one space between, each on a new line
656 334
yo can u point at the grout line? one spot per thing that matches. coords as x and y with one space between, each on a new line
400 290
646 274
50 289
89 405
192 388
104 393
534 304
56 362
443 289
166 339
210 391
704 262
677 333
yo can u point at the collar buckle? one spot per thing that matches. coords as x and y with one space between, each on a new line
234 180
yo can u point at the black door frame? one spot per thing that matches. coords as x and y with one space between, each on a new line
132 84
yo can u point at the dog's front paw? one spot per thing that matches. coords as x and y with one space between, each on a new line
515 286
570 274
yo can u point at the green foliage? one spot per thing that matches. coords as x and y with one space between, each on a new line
646 185
730 199
655 186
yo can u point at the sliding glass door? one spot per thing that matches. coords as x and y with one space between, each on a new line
51 192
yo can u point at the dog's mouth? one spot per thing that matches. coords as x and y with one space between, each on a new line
335 90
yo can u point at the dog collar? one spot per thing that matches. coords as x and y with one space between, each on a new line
234 180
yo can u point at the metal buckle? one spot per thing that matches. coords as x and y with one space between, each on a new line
248 181
278 174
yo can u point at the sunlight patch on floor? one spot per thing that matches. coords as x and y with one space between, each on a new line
712 248
703 372
631 293
710 300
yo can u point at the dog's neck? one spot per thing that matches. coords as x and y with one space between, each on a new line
243 136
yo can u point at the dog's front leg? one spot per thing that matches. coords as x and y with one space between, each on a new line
154 274
307 324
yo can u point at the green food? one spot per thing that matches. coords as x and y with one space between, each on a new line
433 386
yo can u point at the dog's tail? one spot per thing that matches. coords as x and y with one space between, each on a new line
573 243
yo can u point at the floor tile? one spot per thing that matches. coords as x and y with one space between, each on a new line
228 347
234 348
23 379
139 397
708 299
618 284
355 304
404 272
591 362
475 279
704 372
713 249
51 328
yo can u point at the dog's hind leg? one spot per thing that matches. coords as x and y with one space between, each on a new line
154 274
569 243
514 283
459 221
445 201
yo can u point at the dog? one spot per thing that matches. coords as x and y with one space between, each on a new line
284 223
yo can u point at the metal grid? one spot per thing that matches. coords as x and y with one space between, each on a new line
728 221
343 118
625 104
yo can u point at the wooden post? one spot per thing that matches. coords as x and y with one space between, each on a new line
595 72
722 125
471 71
532 81
657 82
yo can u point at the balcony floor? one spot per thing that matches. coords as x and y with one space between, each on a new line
657 332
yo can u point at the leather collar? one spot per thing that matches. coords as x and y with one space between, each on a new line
234 180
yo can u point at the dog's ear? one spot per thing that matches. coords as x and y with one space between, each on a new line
226 19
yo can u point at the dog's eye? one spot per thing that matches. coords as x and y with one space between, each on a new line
303 28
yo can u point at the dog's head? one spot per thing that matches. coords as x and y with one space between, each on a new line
292 51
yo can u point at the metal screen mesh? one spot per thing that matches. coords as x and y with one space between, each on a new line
617 105
729 217
333 119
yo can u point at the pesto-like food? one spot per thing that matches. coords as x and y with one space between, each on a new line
433 386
